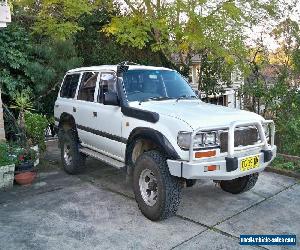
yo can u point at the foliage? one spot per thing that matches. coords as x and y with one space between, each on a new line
49 61
215 73
5 155
189 27
35 65
24 155
15 44
35 126
288 123
281 163
54 18
22 103
97 49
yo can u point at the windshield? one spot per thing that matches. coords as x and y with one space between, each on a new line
143 85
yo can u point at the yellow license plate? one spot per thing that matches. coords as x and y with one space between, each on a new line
250 163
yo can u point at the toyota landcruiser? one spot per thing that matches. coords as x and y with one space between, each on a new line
148 121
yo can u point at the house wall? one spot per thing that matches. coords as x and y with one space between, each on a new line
194 75
230 97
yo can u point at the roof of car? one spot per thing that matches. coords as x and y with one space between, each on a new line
114 68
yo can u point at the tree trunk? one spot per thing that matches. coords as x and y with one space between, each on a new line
2 132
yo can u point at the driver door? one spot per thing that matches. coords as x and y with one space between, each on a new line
108 120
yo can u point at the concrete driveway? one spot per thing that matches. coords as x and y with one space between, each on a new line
96 210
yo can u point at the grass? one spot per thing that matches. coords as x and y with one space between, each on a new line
281 163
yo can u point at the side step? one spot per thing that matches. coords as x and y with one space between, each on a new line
108 160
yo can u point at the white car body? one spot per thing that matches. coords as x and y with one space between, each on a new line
107 132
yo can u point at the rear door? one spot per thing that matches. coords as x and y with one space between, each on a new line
84 115
66 99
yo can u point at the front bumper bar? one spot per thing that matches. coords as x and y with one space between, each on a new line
195 170
229 164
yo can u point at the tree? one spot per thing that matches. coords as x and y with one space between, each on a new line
97 49
188 27
36 64
57 19
214 74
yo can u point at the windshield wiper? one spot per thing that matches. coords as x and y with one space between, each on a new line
186 97
156 98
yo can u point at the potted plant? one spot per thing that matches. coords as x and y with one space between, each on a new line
24 169
31 125
7 166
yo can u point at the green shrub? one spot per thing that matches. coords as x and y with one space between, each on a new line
35 126
288 124
281 163
5 155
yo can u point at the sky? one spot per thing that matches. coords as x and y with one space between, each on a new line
265 28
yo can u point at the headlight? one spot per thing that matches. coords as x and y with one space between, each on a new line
209 139
184 140
201 140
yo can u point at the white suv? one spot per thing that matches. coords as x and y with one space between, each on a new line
149 121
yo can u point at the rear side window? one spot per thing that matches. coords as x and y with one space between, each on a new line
87 86
69 86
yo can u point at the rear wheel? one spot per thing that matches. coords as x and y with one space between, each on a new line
157 192
73 160
239 185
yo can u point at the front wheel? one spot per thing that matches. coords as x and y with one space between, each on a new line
239 185
157 192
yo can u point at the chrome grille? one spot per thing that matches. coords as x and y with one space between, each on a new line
242 137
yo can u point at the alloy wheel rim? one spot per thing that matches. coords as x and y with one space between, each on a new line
67 154
148 187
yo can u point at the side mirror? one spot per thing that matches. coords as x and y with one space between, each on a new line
111 98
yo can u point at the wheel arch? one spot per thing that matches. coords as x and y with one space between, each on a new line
66 118
66 121
152 135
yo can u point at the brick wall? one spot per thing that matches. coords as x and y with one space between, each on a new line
2 134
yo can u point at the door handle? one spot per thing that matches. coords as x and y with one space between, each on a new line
74 109
95 114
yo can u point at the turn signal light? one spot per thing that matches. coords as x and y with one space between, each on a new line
203 154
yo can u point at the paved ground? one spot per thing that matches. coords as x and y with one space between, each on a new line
96 210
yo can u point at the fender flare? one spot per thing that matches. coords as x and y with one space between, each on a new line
151 134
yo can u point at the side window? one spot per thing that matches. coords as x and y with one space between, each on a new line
107 84
69 86
87 86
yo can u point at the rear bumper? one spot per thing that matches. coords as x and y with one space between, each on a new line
228 169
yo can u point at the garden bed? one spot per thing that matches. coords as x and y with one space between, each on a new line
286 164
